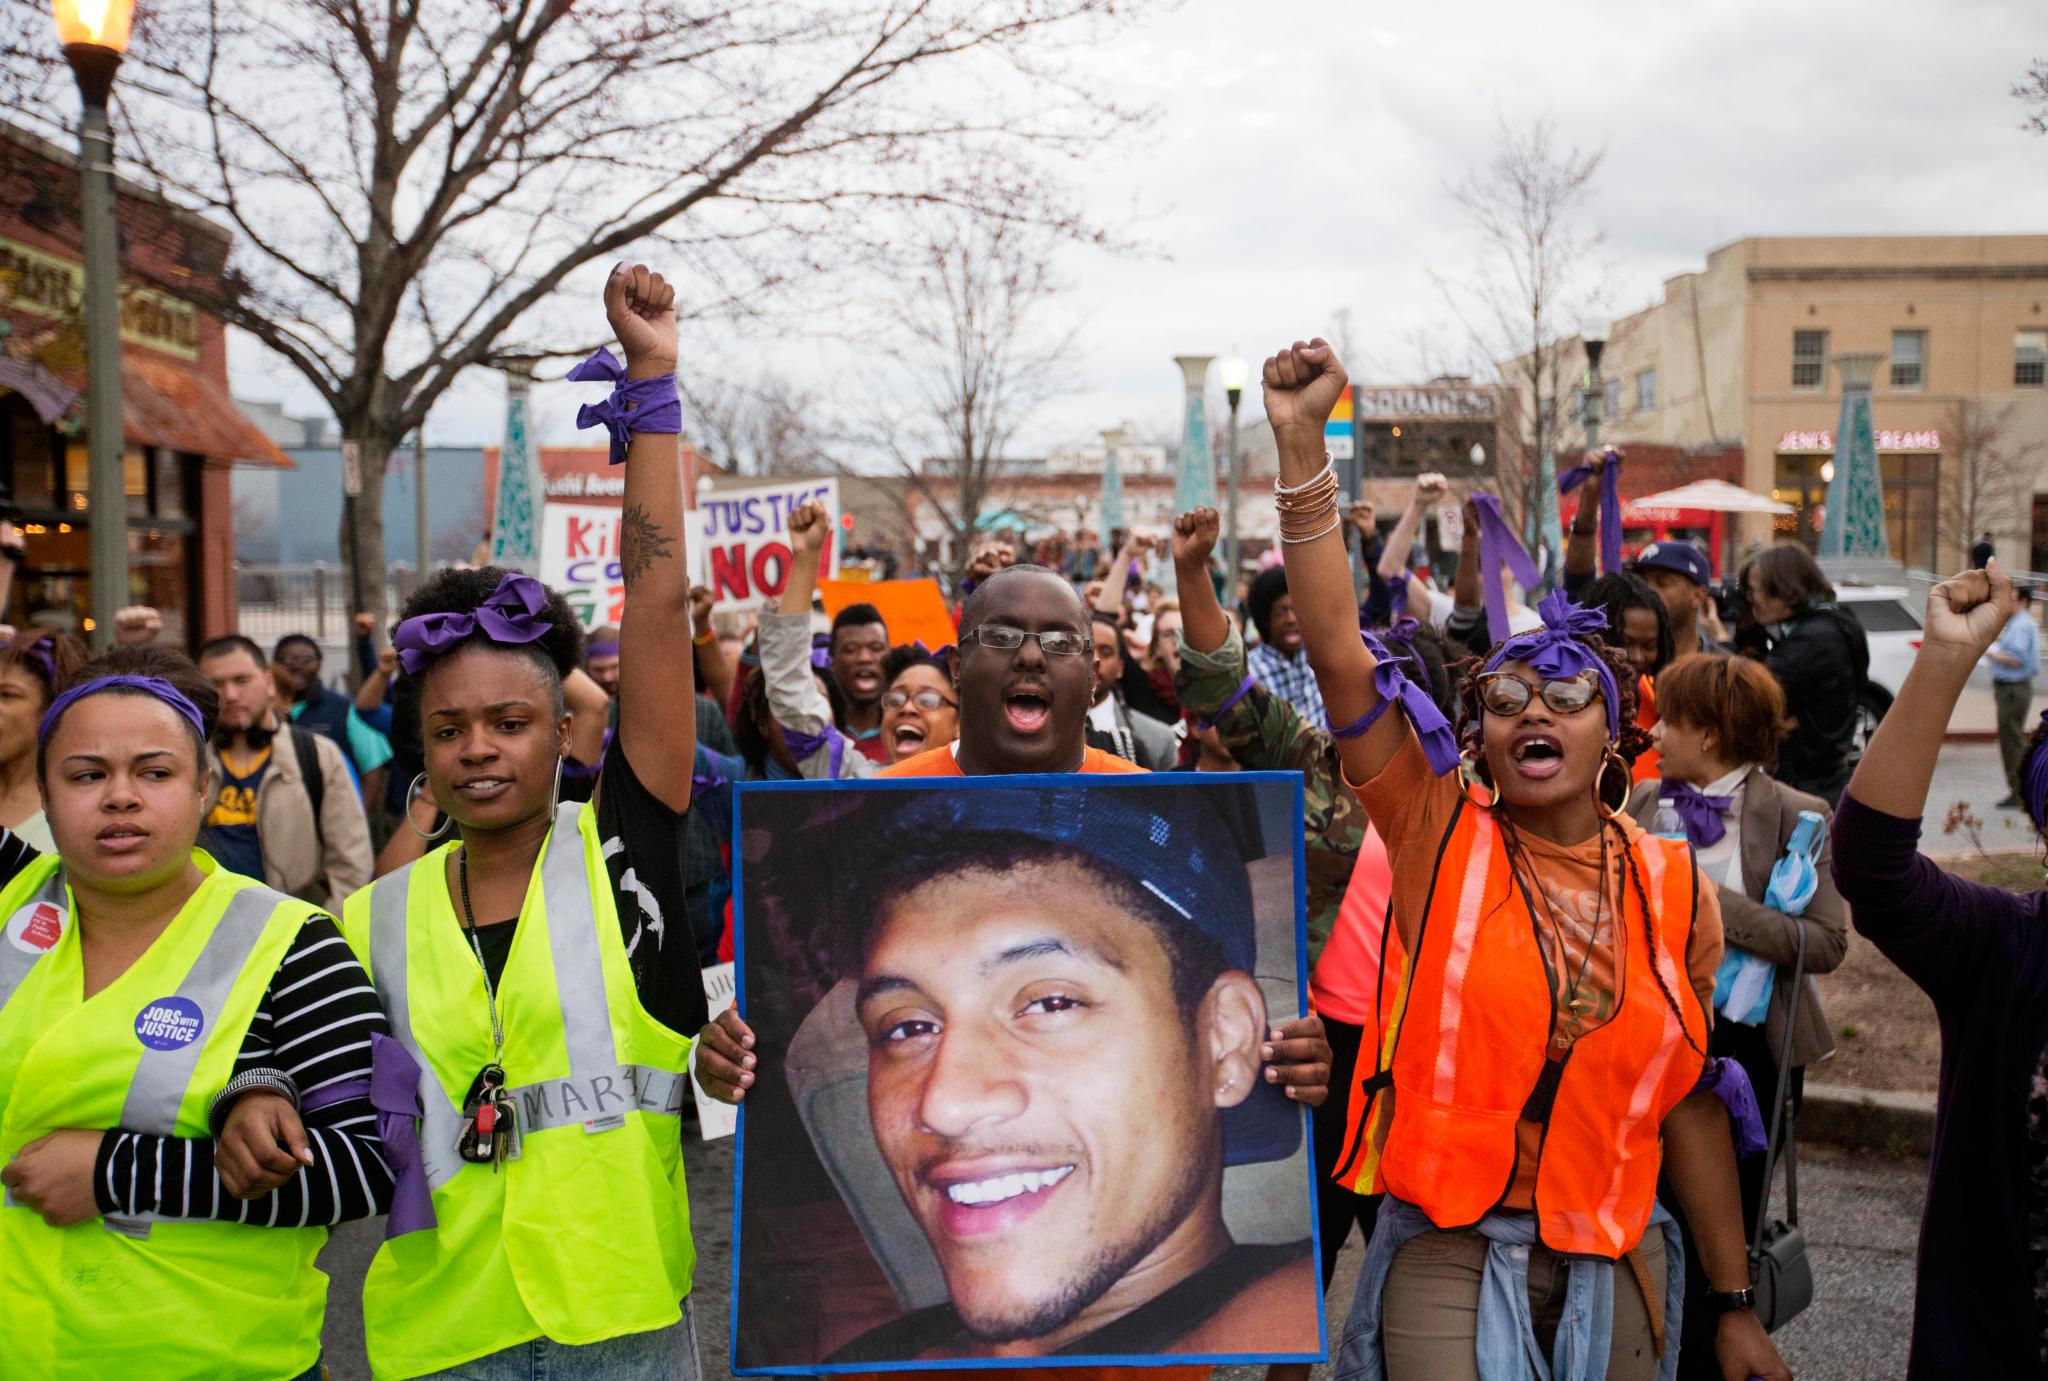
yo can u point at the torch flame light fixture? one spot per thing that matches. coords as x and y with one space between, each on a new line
98 23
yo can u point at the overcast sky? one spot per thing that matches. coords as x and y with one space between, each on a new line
1300 162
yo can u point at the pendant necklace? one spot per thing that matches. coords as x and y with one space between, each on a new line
490 1122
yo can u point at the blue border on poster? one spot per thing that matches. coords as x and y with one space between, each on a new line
1106 781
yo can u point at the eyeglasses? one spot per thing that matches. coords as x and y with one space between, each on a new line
925 700
1053 642
1503 694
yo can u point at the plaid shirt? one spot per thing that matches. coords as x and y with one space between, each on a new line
1291 680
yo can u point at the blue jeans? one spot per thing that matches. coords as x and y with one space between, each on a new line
667 1354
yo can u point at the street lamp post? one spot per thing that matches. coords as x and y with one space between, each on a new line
94 34
1235 372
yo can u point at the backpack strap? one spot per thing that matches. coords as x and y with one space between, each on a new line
308 754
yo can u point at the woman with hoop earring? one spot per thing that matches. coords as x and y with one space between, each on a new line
535 1076
1546 1003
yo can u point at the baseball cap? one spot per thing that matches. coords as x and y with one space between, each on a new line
1683 557
1188 859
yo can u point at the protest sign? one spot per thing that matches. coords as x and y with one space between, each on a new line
579 555
715 1119
745 539
913 610
925 1189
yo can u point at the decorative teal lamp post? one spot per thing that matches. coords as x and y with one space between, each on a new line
1855 528
1197 485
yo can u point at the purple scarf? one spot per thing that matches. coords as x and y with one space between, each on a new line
395 1094
1555 651
1703 815
1432 731
1610 506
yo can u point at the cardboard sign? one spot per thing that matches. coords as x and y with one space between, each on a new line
744 539
914 610
579 555
715 1119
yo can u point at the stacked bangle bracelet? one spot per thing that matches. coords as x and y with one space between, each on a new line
1309 510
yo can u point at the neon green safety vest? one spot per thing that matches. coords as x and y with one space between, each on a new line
157 1297
587 1235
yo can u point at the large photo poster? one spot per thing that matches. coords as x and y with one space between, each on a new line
1011 1108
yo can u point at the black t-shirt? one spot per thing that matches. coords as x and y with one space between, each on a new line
643 851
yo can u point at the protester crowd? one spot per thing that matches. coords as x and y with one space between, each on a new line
1581 827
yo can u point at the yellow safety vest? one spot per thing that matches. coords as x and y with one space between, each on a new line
158 1297
587 1235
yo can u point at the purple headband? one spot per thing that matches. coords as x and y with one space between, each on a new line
1610 506
512 614
635 405
154 686
38 648
601 647
936 654
1500 550
1432 731
1556 651
2034 783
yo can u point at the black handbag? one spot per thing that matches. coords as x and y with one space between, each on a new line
1779 1271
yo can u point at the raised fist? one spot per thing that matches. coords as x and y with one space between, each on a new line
1361 516
1967 612
1194 537
808 530
701 601
1430 487
1302 385
137 625
641 306
364 624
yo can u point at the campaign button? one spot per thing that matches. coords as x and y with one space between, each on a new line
169 1023
36 928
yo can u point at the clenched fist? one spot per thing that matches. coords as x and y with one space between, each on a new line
1194 537
1302 385
809 529
641 306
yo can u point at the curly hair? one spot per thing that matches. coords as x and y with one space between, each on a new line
904 656
1630 743
457 591
152 660
49 657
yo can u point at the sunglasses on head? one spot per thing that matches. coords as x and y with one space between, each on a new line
1504 694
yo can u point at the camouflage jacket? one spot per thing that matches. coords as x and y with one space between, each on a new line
1263 732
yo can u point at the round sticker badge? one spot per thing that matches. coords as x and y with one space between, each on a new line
36 928
169 1023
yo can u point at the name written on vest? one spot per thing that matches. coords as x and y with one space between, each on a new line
169 1023
601 1101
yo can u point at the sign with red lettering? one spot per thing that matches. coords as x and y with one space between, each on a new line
742 542
579 555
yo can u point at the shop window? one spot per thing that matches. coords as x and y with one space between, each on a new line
1909 361
2029 359
1809 359
1610 401
168 479
1646 391
32 458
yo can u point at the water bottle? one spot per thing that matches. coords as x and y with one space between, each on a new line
1668 823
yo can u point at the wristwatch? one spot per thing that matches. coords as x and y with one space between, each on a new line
1729 1301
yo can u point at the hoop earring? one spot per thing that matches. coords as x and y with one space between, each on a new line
412 794
1468 774
1613 759
555 794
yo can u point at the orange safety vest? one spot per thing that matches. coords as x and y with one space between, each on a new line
1466 1046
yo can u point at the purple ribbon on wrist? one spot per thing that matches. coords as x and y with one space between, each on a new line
512 614
1729 1082
635 405
1433 732
1610 507
1500 551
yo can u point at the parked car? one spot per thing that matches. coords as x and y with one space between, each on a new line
1891 625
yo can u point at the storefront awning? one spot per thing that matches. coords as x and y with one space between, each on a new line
168 404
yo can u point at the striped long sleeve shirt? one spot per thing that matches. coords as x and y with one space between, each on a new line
314 1025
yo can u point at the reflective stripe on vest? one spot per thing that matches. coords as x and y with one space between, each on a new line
599 1091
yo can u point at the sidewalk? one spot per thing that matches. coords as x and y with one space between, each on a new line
1976 718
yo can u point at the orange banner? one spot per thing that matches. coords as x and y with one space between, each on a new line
914 610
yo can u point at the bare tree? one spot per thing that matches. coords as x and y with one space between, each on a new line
2033 91
409 182
1987 476
769 427
1523 303
978 357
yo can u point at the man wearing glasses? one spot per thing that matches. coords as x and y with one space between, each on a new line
327 712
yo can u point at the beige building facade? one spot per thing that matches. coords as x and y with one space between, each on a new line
1743 350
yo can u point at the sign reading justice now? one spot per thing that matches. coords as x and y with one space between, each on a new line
741 546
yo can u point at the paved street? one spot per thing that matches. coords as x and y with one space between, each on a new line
1971 772
1860 1212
